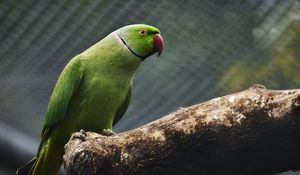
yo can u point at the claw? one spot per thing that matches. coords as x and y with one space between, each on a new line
107 132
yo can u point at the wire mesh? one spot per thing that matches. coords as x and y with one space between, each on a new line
212 48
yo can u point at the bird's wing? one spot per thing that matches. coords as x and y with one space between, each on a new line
67 84
122 109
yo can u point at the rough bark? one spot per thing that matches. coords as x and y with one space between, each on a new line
256 131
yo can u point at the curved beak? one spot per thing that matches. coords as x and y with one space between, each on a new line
158 44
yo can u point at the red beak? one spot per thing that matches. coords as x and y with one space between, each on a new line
158 43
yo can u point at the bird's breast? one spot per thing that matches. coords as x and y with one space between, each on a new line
98 99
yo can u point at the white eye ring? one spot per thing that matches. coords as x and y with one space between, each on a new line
143 32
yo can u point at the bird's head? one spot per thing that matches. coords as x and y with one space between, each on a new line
141 40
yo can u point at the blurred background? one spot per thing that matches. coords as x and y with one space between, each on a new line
212 48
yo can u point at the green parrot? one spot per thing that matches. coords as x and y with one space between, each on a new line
92 92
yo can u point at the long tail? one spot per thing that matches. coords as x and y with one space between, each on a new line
48 160
33 166
25 169
49 156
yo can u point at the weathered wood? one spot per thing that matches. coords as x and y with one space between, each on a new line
256 131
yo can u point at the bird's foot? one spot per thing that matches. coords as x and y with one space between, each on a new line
80 135
107 132
82 131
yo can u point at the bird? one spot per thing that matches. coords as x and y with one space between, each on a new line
93 92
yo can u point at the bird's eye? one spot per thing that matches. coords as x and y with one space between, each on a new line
143 32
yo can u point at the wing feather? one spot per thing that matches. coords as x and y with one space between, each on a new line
122 109
67 84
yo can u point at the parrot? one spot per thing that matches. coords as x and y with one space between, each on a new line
93 92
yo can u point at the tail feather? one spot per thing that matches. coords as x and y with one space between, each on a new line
27 168
37 167
33 167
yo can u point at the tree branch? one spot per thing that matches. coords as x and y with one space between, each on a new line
256 131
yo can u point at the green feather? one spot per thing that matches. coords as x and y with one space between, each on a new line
122 109
66 86
92 93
